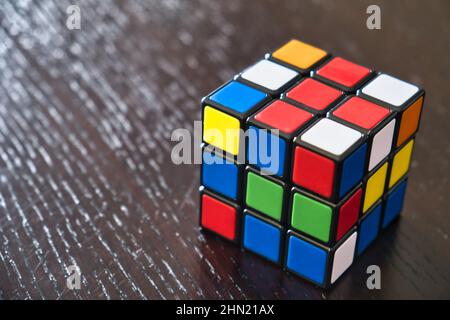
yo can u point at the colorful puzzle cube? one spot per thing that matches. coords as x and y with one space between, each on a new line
306 159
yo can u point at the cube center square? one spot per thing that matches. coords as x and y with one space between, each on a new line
375 121
329 159
306 158
405 98
322 220
343 74
265 195
269 76
270 151
317 263
313 95
299 55
224 114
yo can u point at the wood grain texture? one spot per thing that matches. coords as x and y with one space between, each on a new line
85 123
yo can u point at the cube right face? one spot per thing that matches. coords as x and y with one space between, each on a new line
329 159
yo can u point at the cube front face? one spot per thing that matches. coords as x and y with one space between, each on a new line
325 162
407 99
322 167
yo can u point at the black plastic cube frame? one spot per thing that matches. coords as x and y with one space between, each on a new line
254 213
320 113
304 72
398 109
385 198
212 149
241 117
366 179
273 93
330 257
369 133
348 90
288 138
273 179
391 162
338 161
335 212
202 190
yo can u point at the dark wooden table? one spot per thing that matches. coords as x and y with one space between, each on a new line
85 123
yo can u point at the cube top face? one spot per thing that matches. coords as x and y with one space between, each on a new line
299 54
314 94
390 90
344 74
360 112
283 116
219 216
238 97
331 136
269 75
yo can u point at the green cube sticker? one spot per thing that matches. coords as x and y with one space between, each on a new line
311 217
264 195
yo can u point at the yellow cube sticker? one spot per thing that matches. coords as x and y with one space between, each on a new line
375 187
221 130
401 163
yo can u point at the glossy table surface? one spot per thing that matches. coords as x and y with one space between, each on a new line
86 118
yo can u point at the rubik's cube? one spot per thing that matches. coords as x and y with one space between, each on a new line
343 145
